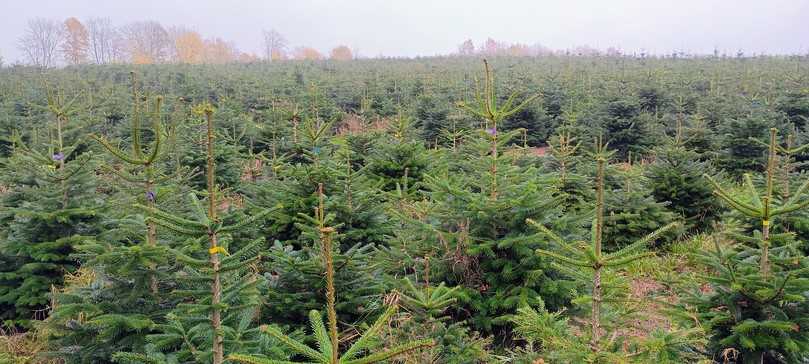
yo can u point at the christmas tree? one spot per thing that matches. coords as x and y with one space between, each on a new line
220 293
327 339
51 208
588 263
756 310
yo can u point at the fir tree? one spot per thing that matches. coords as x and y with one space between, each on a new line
398 153
431 116
327 337
143 162
563 159
51 207
476 221
354 194
426 308
738 154
220 313
675 177
127 294
631 211
574 256
757 306
626 127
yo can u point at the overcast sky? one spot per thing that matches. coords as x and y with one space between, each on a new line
429 27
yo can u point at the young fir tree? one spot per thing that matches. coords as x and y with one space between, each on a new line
361 351
50 208
398 153
293 268
563 159
675 177
631 211
757 310
143 171
479 201
426 308
738 154
787 165
127 295
588 262
222 288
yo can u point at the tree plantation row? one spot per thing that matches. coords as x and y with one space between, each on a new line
553 209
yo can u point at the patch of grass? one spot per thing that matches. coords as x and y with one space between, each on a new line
24 348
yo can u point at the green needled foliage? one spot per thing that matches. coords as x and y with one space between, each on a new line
49 209
675 177
575 256
764 207
427 200
486 107
142 158
428 301
120 305
224 304
757 305
327 338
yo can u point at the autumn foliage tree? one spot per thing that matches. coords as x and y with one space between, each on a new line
189 47
219 51
76 42
307 53
341 53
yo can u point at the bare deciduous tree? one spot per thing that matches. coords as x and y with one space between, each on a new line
41 42
275 45
467 48
146 42
104 41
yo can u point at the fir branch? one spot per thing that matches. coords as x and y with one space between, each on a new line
251 359
565 259
249 220
790 208
642 242
158 214
747 209
624 260
388 354
175 228
123 175
293 344
115 151
321 335
365 340
751 189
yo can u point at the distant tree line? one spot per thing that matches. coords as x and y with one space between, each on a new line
48 43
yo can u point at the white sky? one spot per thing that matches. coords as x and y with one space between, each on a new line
428 27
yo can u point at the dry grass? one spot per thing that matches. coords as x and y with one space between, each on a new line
24 348
353 124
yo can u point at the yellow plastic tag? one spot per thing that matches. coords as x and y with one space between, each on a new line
217 249
765 222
